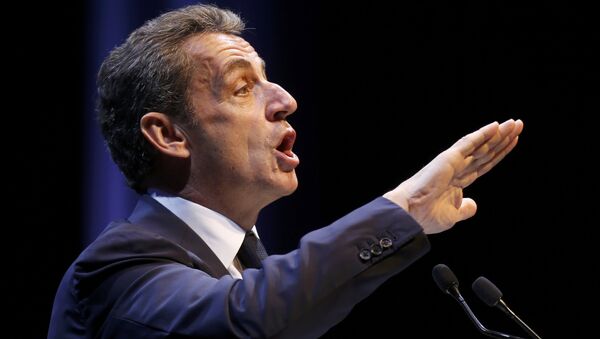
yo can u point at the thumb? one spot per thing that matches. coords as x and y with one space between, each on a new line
467 209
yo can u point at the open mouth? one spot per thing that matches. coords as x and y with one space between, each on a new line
287 161
287 143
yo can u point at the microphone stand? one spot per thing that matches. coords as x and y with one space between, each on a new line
478 324
502 306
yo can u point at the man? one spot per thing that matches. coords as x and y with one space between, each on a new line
197 129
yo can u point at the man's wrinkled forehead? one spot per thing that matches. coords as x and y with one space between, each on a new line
216 49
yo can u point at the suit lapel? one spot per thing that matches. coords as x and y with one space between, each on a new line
155 218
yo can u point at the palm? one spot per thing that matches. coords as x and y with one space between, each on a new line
434 197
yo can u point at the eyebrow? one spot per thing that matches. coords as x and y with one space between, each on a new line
234 64
229 68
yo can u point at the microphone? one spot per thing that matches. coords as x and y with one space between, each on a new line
491 295
447 282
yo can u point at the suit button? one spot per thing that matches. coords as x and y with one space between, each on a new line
385 242
365 254
376 249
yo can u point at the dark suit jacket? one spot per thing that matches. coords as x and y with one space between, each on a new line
151 276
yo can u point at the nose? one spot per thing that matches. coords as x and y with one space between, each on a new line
280 104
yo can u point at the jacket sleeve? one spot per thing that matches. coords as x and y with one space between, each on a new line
299 294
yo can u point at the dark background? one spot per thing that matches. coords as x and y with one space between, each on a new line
381 89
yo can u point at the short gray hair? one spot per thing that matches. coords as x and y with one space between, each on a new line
150 72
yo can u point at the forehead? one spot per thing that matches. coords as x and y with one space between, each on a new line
219 48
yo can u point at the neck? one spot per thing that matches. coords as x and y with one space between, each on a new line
238 202
242 212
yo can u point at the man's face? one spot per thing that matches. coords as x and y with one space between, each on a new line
242 143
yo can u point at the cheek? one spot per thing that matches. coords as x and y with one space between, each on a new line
258 136
260 150
246 142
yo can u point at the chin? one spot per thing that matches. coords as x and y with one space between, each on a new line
291 190
289 184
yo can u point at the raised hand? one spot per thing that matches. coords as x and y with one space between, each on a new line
434 196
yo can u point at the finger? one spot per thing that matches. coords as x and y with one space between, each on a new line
504 130
470 142
488 166
476 164
491 153
518 127
467 209
465 180
507 127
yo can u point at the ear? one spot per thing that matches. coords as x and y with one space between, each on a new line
164 135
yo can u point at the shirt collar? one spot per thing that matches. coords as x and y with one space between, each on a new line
223 236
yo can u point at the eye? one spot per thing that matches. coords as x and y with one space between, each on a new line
243 90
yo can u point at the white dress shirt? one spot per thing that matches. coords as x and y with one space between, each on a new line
223 236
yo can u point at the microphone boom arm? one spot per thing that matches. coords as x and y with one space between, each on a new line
502 306
478 324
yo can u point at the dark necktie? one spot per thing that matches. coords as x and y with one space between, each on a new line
252 251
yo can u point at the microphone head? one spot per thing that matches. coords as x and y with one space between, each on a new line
486 291
444 278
